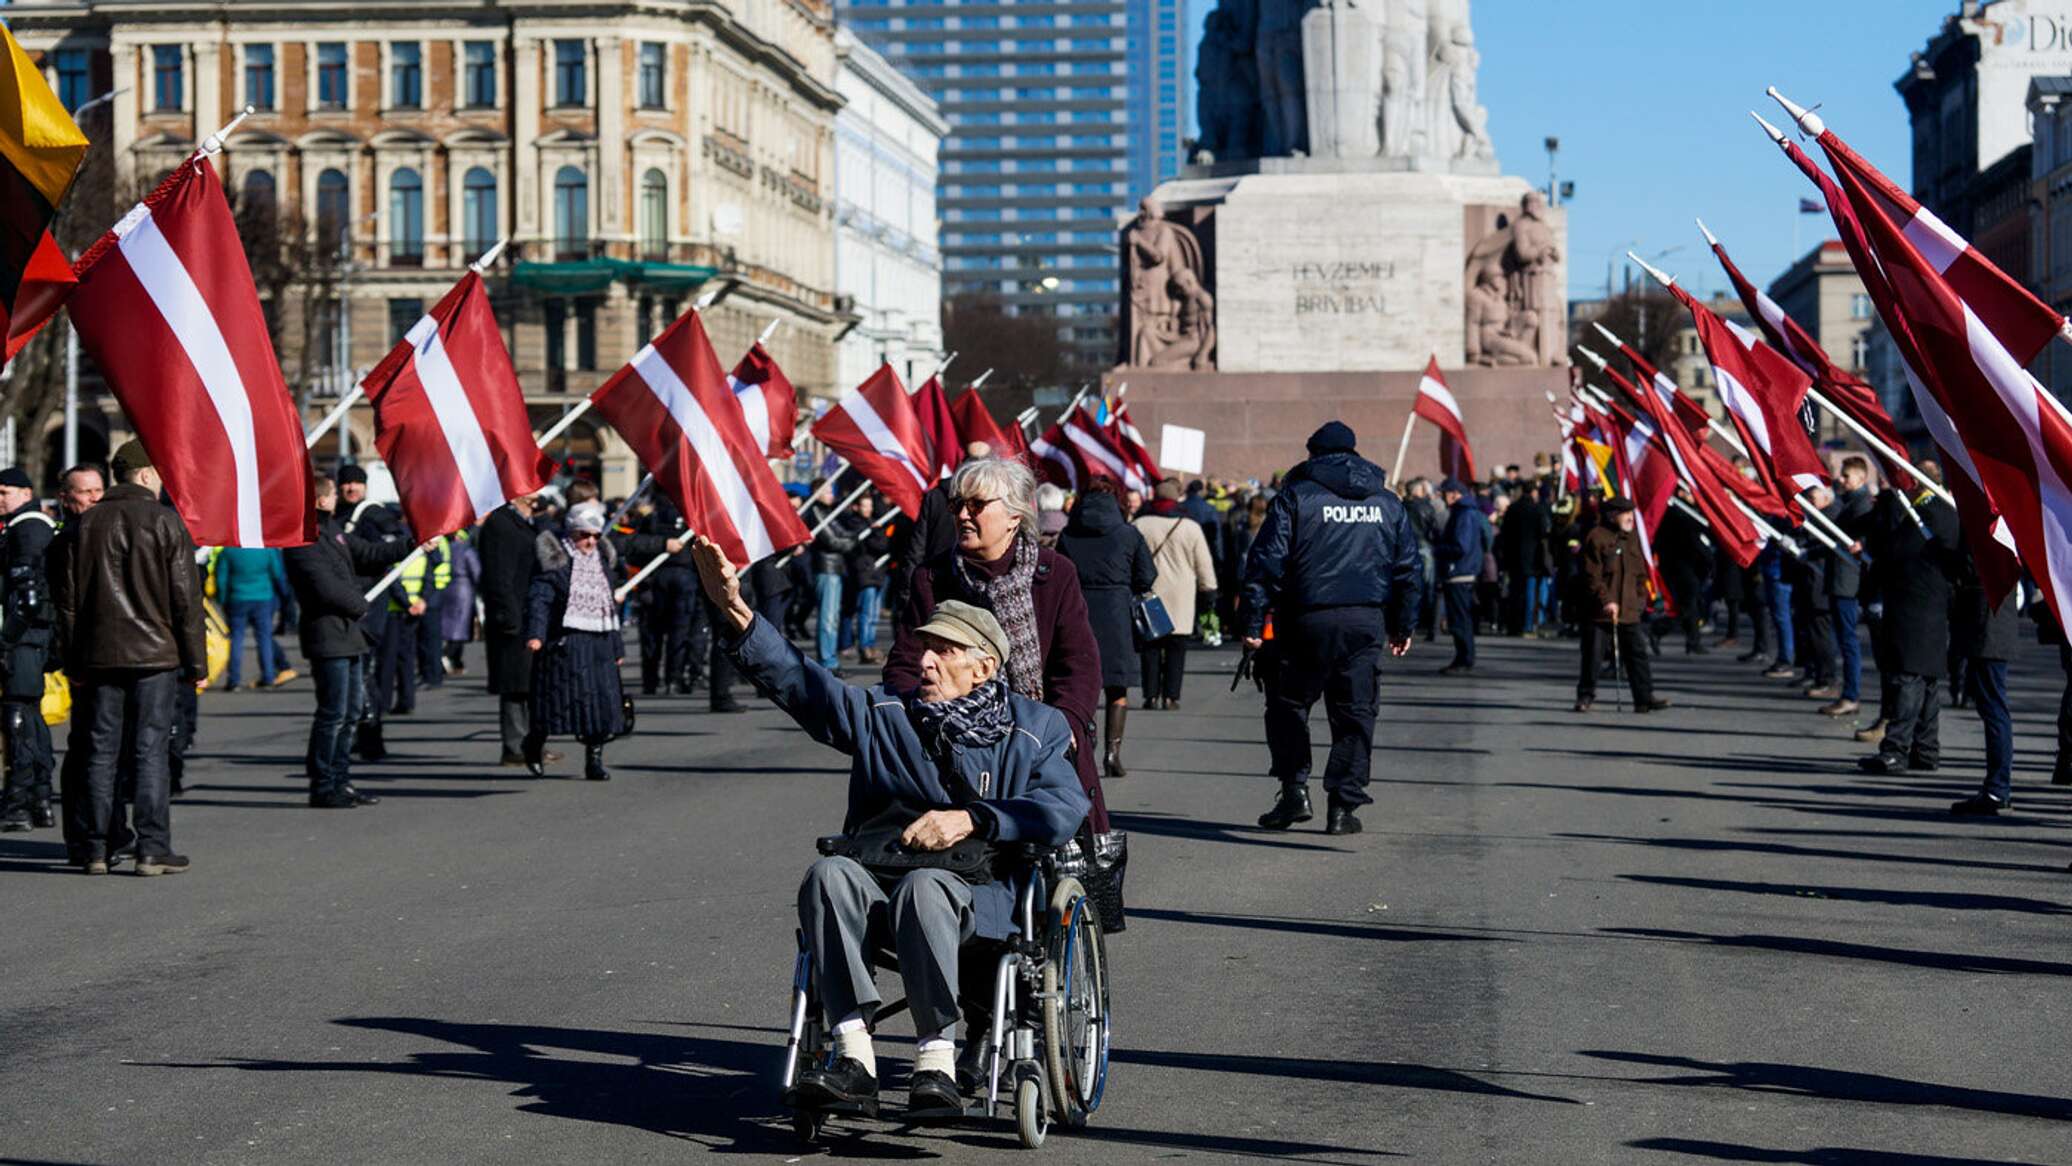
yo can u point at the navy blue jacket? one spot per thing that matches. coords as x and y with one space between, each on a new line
1334 537
1027 789
1459 549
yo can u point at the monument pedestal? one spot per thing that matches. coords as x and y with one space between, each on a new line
1256 423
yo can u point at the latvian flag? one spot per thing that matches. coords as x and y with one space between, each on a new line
167 310
938 426
768 402
875 428
1125 437
672 405
450 419
974 423
1435 404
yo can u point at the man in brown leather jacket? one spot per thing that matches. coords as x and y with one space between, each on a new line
129 624
1615 582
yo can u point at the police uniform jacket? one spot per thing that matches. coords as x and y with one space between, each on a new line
1334 537
25 627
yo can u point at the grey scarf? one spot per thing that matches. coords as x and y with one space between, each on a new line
977 718
1012 600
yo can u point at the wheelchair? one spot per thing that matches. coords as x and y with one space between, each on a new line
1044 1056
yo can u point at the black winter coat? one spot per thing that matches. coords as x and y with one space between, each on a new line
325 576
1335 537
27 630
831 547
1851 510
1114 565
1979 629
1521 539
1915 579
506 548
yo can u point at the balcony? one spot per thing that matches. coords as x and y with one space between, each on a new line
730 152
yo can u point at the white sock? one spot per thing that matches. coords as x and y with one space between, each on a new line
853 1040
936 1054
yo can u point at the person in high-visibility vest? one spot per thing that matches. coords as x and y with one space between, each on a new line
395 671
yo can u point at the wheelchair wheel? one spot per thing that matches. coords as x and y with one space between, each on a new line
1075 1004
1031 1121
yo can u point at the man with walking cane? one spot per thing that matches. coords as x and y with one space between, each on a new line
1615 578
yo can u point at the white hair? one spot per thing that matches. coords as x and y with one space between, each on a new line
1009 481
1050 496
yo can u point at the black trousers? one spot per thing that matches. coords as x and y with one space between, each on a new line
2064 761
1913 722
1165 666
30 762
1690 604
722 674
394 684
1633 658
132 728
431 644
1334 653
666 625
1824 652
1460 621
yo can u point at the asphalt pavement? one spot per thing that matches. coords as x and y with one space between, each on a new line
1695 936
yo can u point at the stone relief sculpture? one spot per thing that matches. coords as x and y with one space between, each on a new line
1515 304
1172 315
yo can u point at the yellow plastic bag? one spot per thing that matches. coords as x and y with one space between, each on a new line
57 698
217 631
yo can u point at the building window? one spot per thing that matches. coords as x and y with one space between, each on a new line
653 74
586 335
259 76
1859 307
73 78
168 77
571 80
406 218
331 75
478 210
334 202
258 196
554 314
481 74
1859 351
654 214
571 214
404 314
406 75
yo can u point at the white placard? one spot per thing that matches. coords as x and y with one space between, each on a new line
1179 448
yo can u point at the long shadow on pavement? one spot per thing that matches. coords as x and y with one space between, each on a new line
1839 1085
1817 1156
1724 844
1306 926
1939 900
1831 949
1174 826
1393 1075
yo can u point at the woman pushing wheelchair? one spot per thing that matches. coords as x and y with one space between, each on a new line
945 780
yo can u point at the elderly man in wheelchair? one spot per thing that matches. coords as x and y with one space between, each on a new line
946 783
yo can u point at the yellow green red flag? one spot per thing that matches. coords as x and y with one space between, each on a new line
40 151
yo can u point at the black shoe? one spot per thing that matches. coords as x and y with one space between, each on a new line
933 1096
1922 765
1583 704
535 759
513 761
1457 670
650 689
1978 806
149 865
593 764
1290 808
43 816
1652 705
1341 821
359 799
727 704
2061 775
1889 763
331 800
848 1083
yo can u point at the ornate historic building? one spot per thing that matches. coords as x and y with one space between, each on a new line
633 151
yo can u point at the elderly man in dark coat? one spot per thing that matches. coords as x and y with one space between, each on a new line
1914 574
1615 582
509 552
958 757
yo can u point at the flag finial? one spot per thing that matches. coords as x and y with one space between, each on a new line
213 144
1810 123
1651 269
488 257
981 381
1594 358
1606 333
1776 135
1709 240
770 330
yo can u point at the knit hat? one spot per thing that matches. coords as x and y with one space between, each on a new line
1617 504
349 474
969 625
586 517
1333 437
1454 486
131 455
14 476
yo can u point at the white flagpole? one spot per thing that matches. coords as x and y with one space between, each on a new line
626 588
1403 447
337 414
561 426
770 330
396 572
213 144
488 257
626 507
978 384
841 506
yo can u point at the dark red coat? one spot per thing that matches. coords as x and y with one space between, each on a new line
1071 660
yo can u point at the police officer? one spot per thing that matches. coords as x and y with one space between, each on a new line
25 637
409 607
1336 562
370 522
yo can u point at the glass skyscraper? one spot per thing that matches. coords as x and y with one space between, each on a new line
1062 115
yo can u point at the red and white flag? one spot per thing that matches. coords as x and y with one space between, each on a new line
1731 527
874 426
672 405
1435 404
768 402
1125 438
938 427
1054 460
167 309
1079 449
1763 392
975 423
450 419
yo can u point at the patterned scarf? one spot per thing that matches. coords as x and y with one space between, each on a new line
979 717
590 606
1012 600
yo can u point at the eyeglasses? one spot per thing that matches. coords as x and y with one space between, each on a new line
973 507
583 534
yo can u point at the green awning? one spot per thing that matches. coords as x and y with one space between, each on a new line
589 276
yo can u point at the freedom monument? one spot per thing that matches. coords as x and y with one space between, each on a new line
1345 220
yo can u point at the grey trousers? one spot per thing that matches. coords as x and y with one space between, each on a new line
514 717
846 916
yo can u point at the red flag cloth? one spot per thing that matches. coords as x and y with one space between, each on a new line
1649 482
167 309
1985 531
1763 392
1845 390
1688 411
1435 403
672 405
1731 527
2017 436
1099 455
875 427
1054 459
975 424
1124 436
46 282
938 427
450 419
767 400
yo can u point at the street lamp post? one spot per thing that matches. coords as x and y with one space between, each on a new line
72 335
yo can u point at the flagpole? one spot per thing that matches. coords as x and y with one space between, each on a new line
627 505
1403 448
561 426
841 506
396 572
488 257
1876 444
653 565
976 385
770 330
337 414
213 144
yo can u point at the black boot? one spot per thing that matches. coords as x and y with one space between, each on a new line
1118 716
593 763
1290 808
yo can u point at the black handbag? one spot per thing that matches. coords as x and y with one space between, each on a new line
875 845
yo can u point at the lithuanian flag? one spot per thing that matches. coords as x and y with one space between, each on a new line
40 151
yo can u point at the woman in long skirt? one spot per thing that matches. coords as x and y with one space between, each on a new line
572 629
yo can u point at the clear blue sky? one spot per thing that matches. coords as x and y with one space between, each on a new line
1650 99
